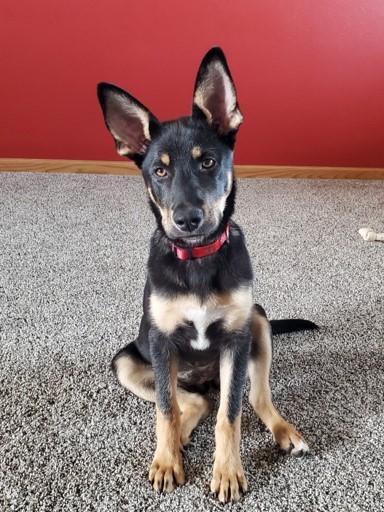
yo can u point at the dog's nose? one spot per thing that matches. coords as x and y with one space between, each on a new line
187 218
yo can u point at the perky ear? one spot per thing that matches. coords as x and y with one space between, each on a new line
129 122
215 94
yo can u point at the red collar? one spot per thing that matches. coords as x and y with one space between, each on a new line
203 250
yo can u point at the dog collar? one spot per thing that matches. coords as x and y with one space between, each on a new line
201 251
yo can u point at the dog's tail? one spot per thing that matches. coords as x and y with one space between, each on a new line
292 325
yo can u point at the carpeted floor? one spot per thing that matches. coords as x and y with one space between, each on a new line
73 252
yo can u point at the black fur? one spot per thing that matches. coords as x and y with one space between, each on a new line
292 325
161 359
240 350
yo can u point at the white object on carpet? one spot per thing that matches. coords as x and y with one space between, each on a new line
371 236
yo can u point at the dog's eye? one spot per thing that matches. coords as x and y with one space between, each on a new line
208 163
160 172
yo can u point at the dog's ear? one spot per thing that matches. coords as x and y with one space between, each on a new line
129 122
215 94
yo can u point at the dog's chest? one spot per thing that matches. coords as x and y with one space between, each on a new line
202 317
232 308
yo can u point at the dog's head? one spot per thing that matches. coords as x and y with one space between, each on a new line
186 163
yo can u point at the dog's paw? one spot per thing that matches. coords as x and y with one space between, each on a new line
289 439
228 481
166 473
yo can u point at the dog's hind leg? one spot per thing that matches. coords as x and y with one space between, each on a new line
133 373
136 375
260 398
194 408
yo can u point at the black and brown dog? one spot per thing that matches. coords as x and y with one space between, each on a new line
199 323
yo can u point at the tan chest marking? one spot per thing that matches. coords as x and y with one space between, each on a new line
234 308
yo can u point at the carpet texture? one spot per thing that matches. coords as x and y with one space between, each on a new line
73 254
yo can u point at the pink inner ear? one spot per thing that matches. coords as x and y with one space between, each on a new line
216 105
128 129
219 99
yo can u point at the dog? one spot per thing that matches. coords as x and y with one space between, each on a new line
199 325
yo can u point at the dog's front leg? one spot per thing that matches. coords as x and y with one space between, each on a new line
167 467
228 474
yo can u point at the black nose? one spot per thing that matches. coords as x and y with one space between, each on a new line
188 218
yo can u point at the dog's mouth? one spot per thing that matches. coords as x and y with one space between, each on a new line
190 240
195 239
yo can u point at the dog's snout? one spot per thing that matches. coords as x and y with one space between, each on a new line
188 218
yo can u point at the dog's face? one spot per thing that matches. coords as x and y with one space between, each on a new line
187 163
188 173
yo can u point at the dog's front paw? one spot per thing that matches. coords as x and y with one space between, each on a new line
228 481
289 439
166 472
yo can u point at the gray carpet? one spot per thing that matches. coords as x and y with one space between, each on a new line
73 251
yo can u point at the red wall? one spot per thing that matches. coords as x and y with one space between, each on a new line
309 73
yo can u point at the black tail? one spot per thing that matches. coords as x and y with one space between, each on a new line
291 325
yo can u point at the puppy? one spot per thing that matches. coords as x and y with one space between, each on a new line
199 324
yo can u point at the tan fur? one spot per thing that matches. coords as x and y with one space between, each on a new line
139 378
240 307
234 308
196 152
199 99
167 467
152 197
260 394
228 477
165 159
229 182
193 408
236 119
166 213
215 210
167 471
144 118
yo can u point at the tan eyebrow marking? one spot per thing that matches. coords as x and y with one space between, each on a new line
165 159
196 152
